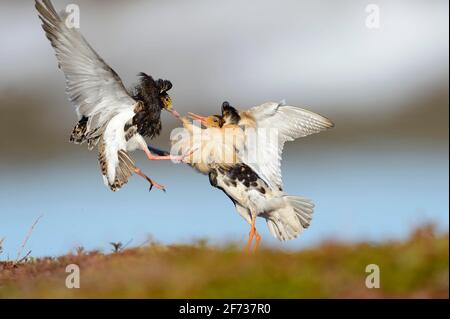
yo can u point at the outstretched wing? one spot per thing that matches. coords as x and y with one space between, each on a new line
93 87
288 123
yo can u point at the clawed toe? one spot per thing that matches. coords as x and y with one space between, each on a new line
159 186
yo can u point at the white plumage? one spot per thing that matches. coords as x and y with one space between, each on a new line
106 110
254 184
95 89
290 123
287 216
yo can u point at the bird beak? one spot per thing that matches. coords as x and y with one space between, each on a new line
197 117
175 113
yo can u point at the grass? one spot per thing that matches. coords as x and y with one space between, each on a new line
414 268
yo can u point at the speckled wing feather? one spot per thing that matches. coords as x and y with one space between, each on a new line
93 87
124 169
290 123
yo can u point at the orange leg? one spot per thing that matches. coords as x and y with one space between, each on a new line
251 234
250 238
258 239
153 157
152 182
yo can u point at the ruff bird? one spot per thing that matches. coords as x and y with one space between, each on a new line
110 116
255 186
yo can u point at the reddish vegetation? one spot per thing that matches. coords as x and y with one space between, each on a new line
416 268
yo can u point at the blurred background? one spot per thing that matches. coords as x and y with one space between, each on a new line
382 171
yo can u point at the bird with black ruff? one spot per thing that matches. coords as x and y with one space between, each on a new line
254 184
110 116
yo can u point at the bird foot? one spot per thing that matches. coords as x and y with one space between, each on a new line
158 186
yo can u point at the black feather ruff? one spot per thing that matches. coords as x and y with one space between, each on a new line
148 91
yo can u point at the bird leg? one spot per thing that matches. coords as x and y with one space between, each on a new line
157 151
251 234
154 157
152 182
258 239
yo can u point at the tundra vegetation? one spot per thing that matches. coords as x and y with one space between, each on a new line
413 268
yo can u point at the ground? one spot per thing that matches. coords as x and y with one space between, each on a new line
414 268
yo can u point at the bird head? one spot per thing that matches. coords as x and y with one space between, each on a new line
154 93
229 114
165 99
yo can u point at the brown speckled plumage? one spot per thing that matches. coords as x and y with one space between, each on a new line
78 131
78 135
124 169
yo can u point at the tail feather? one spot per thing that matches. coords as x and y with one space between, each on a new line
124 170
289 221
303 208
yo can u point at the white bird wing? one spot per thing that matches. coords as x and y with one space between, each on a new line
289 123
93 87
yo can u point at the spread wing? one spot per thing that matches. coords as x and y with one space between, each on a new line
289 123
93 87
